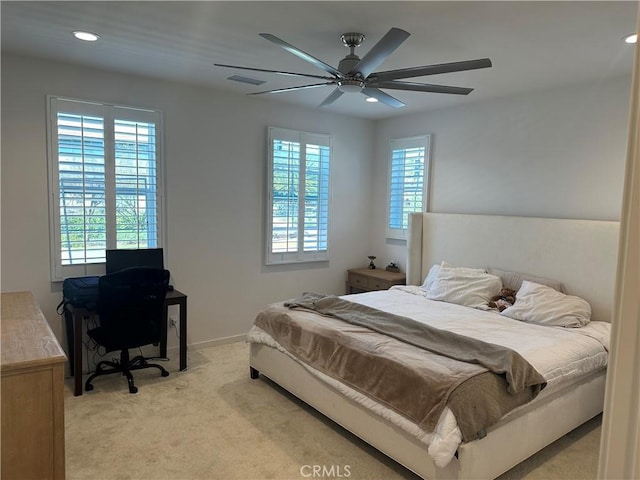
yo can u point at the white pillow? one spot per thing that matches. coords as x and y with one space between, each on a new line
433 273
470 287
541 304
431 276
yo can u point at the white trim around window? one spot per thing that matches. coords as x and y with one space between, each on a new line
106 182
298 195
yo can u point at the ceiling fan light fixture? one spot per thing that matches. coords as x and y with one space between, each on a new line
86 36
633 38
350 86
358 75
352 39
371 100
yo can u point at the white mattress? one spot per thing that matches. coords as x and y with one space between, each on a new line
561 355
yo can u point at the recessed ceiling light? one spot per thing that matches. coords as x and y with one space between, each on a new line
371 100
86 36
633 38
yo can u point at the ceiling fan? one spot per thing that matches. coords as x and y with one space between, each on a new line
356 75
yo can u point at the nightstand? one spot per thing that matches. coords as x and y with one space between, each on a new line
368 280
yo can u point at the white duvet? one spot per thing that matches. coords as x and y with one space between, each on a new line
559 354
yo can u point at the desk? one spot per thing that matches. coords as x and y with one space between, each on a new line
174 297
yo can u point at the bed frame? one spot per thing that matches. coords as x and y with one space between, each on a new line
580 253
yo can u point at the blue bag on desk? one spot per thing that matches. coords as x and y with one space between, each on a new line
80 292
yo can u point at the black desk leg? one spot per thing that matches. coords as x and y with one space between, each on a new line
77 353
183 334
163 331
68 324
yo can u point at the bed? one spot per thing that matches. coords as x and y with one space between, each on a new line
581 254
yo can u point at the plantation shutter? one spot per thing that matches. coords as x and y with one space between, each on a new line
81 182
298 196
136 184
408 175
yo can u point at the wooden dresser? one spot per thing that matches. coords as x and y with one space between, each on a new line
32 369
366 279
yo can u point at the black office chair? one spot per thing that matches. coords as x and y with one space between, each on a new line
131 309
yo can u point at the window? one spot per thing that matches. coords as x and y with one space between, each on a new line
408 182
105 183
297 197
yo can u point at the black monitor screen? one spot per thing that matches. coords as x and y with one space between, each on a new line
125 258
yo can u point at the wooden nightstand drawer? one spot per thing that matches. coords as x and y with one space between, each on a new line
359 281
366 280
379 284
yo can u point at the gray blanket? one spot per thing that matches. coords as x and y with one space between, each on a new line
497 359
478 381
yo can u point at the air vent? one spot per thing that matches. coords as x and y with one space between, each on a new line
241 79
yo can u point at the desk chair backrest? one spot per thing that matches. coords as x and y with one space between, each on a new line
131 306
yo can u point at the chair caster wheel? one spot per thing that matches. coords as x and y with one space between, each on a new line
165 374
133 389
88 387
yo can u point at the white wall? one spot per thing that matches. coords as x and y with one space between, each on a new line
215 148
554 153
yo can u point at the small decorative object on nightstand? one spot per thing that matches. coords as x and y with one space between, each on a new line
367 280
392 267
372 265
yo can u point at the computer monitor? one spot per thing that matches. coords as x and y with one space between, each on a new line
126 258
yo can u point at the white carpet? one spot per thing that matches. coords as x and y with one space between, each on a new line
213 422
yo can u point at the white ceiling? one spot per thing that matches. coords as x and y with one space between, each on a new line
533 45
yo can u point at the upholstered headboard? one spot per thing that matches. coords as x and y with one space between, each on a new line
582 254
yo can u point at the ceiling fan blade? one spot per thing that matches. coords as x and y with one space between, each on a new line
431 70
333 96
293 74
374 57
424 87
383 97
291 89
303 55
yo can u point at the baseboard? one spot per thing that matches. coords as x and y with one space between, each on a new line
215 342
